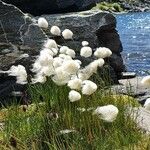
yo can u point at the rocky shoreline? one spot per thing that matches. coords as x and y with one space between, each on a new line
125 6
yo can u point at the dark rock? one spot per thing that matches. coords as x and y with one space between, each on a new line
18 35
39 7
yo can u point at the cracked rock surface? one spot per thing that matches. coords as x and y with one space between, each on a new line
18 35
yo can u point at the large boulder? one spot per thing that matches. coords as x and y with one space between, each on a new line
38 7
96 27
19 35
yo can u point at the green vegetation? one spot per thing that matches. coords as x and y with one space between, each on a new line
113 7
39 126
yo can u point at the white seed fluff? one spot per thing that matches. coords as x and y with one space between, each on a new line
20 73
86 51
88 87
146 81
74 96
85 43
71 66
63 49
42 23
107 113
71 53
67 34
102 52
50 43
55 30
75 84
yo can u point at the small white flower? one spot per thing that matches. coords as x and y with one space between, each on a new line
147 104
71 66
74 96
55 30
88 87
102 52
42 23
63 49
81 109
75 84
20 73
71 53
107 113
146 81
55 51
85 43
51 44
86 51
67 34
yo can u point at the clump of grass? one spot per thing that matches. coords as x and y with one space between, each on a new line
114 7
39 126
54 120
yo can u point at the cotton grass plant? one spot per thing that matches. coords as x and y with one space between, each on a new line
68 110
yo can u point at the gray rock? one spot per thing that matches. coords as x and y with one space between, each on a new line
141 117
19 34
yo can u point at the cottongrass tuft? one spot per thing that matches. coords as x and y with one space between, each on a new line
75 84
74 96
67 34
107 113
55 30
102 52
88 87
85 43
42 23
20 73
86 51
50 43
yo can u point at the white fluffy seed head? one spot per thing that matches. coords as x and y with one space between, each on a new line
88 87
46 51
63 49
75 84
39 79
71 53
86 51
61 77
71 66
67 34
42 23
102 52
50 43
55 30
146 81
100 62
147 104
85 43
57 62
107 113
47 70
45 60
74 96
20 73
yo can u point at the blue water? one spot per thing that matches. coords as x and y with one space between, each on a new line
134 31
